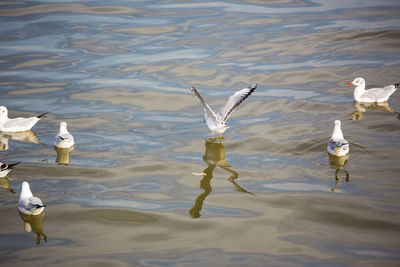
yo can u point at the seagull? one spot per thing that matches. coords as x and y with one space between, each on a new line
17 124
337 145
374 94
5 168
216 122
28 204
64 139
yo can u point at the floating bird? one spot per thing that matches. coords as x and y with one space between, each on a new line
5 168
216 122
64 139
17 124
28 204
374 94
337 145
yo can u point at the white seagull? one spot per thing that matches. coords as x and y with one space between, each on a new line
374 94
64 139
216 122
337 145
5 168
17 124
28 204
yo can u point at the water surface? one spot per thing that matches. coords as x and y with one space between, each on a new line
144 186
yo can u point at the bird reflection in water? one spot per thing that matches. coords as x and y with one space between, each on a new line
34 223
25 136
5 183
338 163
361 108
63 155
214 156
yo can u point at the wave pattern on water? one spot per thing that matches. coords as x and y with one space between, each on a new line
143 184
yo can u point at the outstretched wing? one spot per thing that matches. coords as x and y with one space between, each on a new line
234 101
209 112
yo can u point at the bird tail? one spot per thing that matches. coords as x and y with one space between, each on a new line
41 115
11 165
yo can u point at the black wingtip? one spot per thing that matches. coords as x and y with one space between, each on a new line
396 85
11 165
42 115
253 86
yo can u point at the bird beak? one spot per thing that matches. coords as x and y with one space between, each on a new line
351 83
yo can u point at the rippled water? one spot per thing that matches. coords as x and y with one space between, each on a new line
143 186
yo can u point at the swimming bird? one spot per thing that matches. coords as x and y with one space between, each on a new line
28 204
5 168
216 122
64 139
17 124
374 94
337 145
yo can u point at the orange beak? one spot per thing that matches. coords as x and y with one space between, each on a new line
351 83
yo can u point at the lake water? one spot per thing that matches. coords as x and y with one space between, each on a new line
144 186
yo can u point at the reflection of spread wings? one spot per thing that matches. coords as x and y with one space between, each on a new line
232 179
233 102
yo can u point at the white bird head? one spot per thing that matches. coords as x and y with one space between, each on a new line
358 82
3 112
63 125
224 127
26 190
337 130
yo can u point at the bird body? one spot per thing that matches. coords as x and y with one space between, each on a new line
17 124
374 94
216 122
5 168
28 204
337 145
64 139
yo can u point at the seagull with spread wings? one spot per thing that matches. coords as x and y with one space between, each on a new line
216 122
